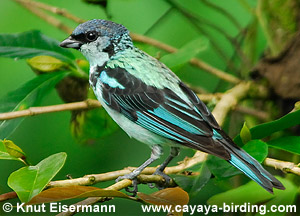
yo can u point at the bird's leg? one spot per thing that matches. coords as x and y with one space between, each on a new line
155 154
159 171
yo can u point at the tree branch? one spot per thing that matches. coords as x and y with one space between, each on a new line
7 196
88 104
229 100
188 162
285 166
96 178
254 112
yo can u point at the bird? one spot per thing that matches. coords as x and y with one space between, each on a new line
152 105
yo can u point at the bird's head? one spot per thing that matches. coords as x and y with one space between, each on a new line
98 37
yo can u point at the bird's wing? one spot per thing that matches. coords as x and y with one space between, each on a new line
161 111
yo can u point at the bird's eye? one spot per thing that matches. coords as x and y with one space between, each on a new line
91 36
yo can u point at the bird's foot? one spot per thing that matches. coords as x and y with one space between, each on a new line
134 185
167 180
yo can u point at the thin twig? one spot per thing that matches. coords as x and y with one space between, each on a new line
224 12
198 23
229 100
88 104
55 10
254 112
285 166
7 196
194 61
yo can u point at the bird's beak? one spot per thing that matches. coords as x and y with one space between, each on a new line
70 43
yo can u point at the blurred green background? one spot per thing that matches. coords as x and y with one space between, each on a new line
43 135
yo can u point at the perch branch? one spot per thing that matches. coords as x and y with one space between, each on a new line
96 178
35 8
197 158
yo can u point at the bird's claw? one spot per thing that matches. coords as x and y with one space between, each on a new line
134 191
163 185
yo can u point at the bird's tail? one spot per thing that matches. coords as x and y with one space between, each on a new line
253 169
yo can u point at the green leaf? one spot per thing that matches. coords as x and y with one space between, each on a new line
222 169
289 143
24 97
297 106
72 192
91 125
247 193
46 63
266 129
5 154
30 44
186 53
257 149
13 149
252 193
245 134
285 197
29 181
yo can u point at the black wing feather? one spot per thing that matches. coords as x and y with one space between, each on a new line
138 98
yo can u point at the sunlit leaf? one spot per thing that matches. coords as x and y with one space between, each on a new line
247 193
252 193
266 129
29 181
28 95
222 169
30 44
72 192
285 197
45 63
13 149
4 153
289 143
245 134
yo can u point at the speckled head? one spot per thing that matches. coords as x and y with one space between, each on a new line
91 30
102 27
